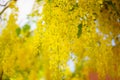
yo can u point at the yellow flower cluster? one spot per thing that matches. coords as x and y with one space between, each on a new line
77 33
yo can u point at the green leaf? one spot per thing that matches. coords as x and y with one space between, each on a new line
18 31
109 2
26 28
39 0
74 6
6 77
79 30
49 1
80 67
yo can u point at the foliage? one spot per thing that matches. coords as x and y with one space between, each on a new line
79 31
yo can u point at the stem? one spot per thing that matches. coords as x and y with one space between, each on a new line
3 10
1 75
4 4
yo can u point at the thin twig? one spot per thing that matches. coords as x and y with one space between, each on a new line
3 10
4 4
1 75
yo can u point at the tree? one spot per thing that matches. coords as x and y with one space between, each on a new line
84 33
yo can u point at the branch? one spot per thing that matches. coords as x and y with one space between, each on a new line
1 75
4 4
3 10
4 7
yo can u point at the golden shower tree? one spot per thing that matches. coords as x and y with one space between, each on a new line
81 33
